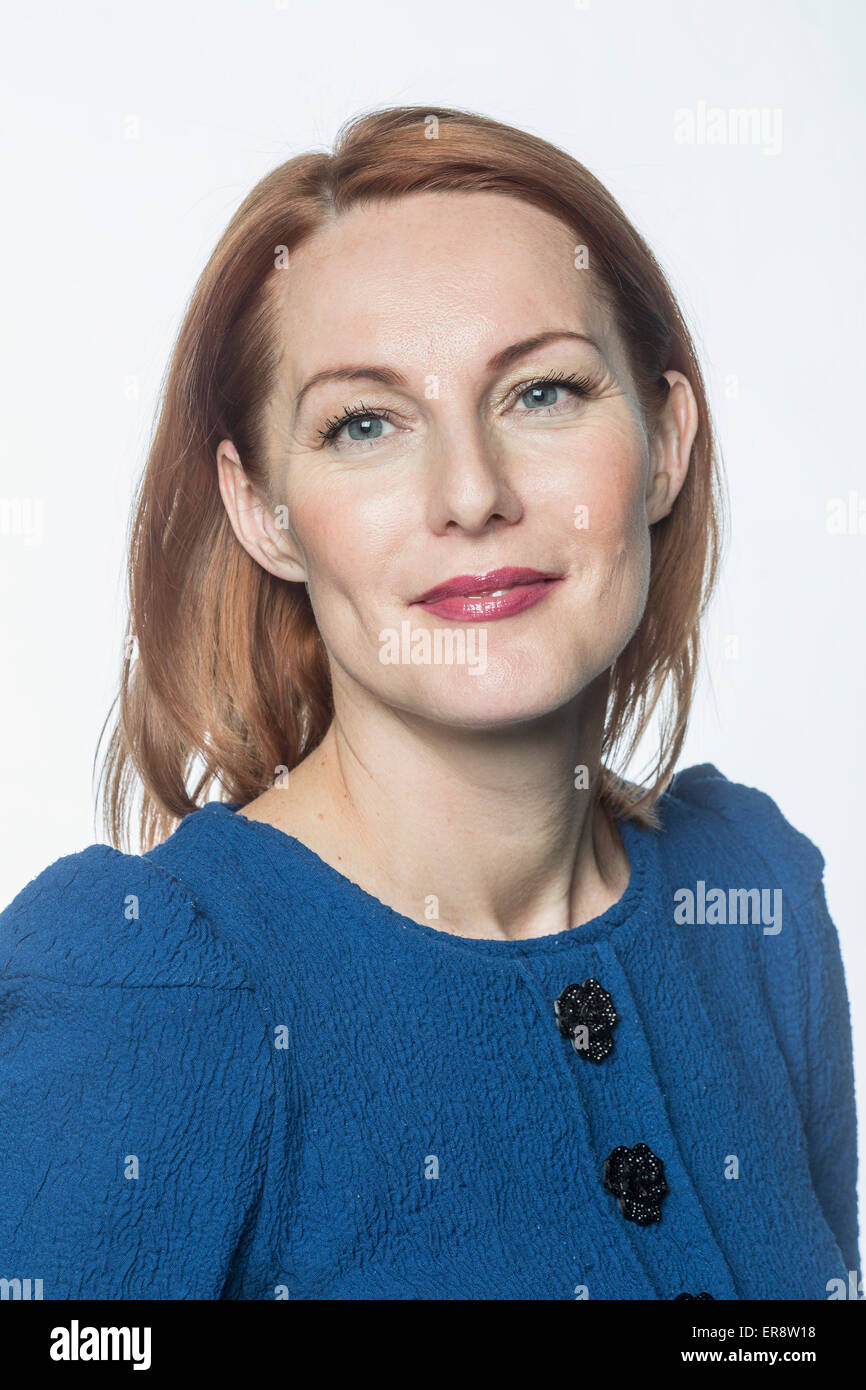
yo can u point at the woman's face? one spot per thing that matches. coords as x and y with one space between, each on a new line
437 318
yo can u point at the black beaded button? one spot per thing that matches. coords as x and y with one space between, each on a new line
636 1178
590 1007
693 1295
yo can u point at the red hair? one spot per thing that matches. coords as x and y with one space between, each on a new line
230 682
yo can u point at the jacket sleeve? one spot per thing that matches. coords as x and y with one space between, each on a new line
136 1091
831 1113
806 987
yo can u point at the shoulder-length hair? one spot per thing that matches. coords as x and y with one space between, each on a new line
225 678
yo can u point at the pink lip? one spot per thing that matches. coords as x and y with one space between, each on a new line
468 598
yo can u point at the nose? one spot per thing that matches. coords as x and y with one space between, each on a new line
468 479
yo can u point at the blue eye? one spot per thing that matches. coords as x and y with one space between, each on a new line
368 427
367 424
535 393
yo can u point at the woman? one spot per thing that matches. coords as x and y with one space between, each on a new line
433 1004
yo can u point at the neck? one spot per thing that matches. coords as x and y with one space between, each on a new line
476 832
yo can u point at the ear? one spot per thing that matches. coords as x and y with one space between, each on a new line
671 446
263 530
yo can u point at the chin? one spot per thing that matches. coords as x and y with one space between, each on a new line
494 698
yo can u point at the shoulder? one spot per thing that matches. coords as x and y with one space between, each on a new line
130 1046
736 838
744 826
103 917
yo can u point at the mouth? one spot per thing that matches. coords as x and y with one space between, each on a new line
480 598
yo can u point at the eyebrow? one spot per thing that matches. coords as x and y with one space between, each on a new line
389 376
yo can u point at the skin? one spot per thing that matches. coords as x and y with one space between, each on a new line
433 780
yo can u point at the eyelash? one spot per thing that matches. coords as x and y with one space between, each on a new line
572 381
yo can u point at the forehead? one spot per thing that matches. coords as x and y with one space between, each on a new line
432 278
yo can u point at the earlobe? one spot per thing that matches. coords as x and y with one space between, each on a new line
657 503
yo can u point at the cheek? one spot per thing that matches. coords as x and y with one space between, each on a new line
610 469
348 541
613 526
596 492
610 534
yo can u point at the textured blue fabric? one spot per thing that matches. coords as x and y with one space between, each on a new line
228 1072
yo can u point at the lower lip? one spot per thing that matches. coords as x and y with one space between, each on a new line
486 607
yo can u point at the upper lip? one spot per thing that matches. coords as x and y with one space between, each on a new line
464 585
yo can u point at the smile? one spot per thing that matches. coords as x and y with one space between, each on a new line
485 598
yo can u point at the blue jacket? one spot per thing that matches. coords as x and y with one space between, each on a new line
226 1071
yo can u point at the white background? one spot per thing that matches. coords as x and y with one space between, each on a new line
130 133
